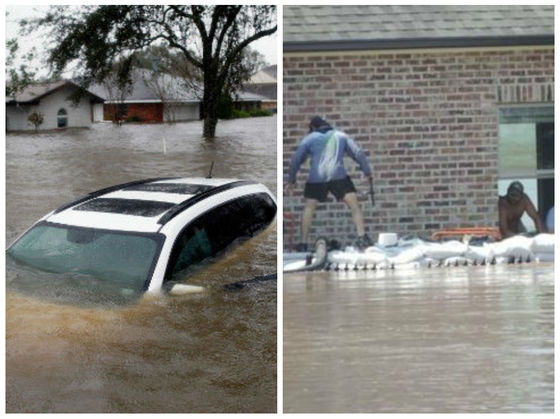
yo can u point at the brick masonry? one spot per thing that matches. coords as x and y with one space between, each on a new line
147 112
428 121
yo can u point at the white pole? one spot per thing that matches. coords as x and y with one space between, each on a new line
164 147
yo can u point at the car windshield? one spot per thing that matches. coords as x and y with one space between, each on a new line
119 259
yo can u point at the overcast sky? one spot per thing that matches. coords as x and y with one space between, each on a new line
266 46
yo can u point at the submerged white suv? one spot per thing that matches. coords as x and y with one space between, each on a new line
139 235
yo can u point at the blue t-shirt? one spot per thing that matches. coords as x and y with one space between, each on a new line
326 151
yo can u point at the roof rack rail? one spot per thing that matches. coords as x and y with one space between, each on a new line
104 191
177 209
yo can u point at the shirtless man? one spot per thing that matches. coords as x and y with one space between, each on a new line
512 206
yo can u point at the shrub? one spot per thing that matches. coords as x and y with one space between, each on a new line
240 114
260 112
36 119
133 118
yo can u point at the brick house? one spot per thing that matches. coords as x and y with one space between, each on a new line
159 97
451 103
151 98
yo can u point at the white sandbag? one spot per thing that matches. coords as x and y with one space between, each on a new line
342 257
371 258
356 258
445 250
543 243
384 265
420 263
412 254
479 253
517 247
501 260
544 257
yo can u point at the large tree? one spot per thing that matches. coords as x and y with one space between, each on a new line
211 38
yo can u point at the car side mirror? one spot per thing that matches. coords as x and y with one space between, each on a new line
183 289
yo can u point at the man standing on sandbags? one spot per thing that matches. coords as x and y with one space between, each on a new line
326 148
511 208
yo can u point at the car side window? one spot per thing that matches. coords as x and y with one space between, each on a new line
213 231
241 218
193 247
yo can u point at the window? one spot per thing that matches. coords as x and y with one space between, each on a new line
215 230
62 118
526 153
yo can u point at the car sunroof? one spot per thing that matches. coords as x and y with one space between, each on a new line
125 206
181 188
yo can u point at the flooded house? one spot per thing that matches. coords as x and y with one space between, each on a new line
155 97
53 101
151 97
451 103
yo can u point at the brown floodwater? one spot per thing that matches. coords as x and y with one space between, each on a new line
478 339
208 352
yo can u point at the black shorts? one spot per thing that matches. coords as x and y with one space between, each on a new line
338 188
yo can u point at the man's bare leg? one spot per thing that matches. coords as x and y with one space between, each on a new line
351 199
307 218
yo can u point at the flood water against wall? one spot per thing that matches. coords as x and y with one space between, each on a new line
208 352
461 339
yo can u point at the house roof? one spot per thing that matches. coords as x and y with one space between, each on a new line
262 77
271 70
145 90
35 92
312 28
263 83
173 89
266 75
246 96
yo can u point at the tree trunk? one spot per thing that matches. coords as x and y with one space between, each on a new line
210 122
210 104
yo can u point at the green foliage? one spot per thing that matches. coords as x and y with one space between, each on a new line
225 107
36 119
240 114
17 78
260 112
133 118
236 113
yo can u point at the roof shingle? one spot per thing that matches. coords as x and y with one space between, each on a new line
343 24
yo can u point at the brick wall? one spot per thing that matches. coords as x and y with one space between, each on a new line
428 121
147 112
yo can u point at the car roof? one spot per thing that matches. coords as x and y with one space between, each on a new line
141 206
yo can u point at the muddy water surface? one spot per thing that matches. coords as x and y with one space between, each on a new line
432 340
210 352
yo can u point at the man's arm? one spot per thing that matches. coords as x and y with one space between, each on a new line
534 214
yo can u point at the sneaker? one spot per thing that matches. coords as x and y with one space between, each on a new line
301 247
363 242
